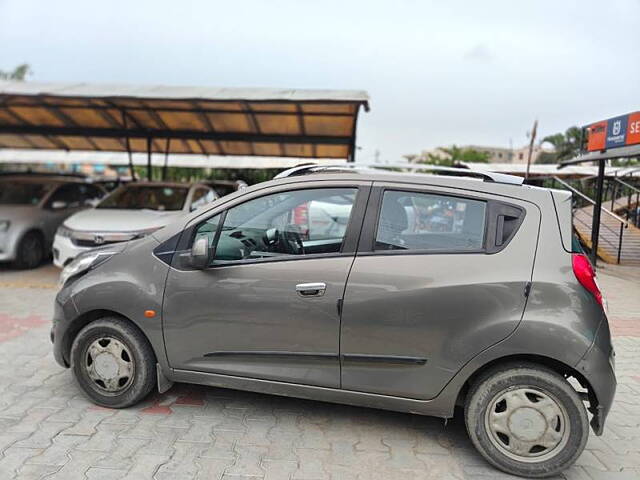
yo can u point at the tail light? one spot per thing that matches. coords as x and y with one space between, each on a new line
586 276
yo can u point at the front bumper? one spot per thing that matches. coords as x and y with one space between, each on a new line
64 250
58 330
8 242
598 368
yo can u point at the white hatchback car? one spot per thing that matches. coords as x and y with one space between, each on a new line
130 211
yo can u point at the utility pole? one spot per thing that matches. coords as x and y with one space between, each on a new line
534 132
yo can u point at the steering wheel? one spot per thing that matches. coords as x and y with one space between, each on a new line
293 240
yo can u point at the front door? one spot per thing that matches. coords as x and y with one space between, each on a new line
440 275
267 307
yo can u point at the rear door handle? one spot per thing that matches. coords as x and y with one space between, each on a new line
311 289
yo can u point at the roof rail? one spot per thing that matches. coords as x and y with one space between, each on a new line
463 172
300 170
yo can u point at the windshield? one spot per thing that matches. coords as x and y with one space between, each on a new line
138 197
14 192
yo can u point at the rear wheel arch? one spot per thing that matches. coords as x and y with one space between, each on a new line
527 359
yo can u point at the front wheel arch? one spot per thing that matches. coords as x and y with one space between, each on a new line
85 319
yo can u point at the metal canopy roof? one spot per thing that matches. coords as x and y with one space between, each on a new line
186 120
622 152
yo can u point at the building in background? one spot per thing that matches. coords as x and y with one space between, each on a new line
495 154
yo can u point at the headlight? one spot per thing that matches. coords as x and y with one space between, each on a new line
63 231
4 225
82 263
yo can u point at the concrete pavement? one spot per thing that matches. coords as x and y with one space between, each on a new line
48 429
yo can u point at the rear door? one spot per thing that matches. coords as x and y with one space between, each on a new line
440 275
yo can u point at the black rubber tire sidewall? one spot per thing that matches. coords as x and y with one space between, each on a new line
490 384
20 261
144 375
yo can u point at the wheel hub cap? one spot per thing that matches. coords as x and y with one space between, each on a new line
527 424
106 366
109 365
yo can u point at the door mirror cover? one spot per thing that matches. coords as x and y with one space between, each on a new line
200 254
59 205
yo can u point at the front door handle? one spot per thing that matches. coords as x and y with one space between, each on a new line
311 289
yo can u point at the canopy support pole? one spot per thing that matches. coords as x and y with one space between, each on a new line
132 172
149 159
597 208
352 146
166 160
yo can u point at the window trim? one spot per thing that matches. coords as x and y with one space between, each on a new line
349 244
366 246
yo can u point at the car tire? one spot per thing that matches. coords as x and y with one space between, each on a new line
113 363
30 251
526 420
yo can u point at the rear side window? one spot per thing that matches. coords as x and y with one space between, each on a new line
430 222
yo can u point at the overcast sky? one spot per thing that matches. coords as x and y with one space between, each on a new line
475 72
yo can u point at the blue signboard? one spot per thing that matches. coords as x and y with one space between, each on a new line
617 131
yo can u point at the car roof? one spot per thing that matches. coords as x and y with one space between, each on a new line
462 180
489 176
44 178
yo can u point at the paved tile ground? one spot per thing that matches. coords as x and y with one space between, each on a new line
49 430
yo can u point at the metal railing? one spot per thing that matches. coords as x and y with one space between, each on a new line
615 244
622 189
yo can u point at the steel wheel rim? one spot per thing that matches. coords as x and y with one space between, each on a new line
527 424
109 365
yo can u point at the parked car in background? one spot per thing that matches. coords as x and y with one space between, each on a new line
416 293
225 187
32 206
132 210
110 183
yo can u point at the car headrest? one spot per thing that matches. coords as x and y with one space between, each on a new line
393 218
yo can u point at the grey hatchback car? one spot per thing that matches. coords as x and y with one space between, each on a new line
415 293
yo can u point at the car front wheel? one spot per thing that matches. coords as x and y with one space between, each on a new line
30 251
526 420
113 362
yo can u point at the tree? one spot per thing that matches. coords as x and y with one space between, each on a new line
454 155
566 145
19 73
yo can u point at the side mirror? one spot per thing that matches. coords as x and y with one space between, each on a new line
200 255
59 205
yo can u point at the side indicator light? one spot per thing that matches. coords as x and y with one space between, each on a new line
149 313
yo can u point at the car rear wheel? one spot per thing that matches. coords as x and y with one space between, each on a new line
113 363
526 420
30 251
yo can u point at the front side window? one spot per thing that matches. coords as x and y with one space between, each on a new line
90 193
431 222
152 197
300 222
69 195
16 192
